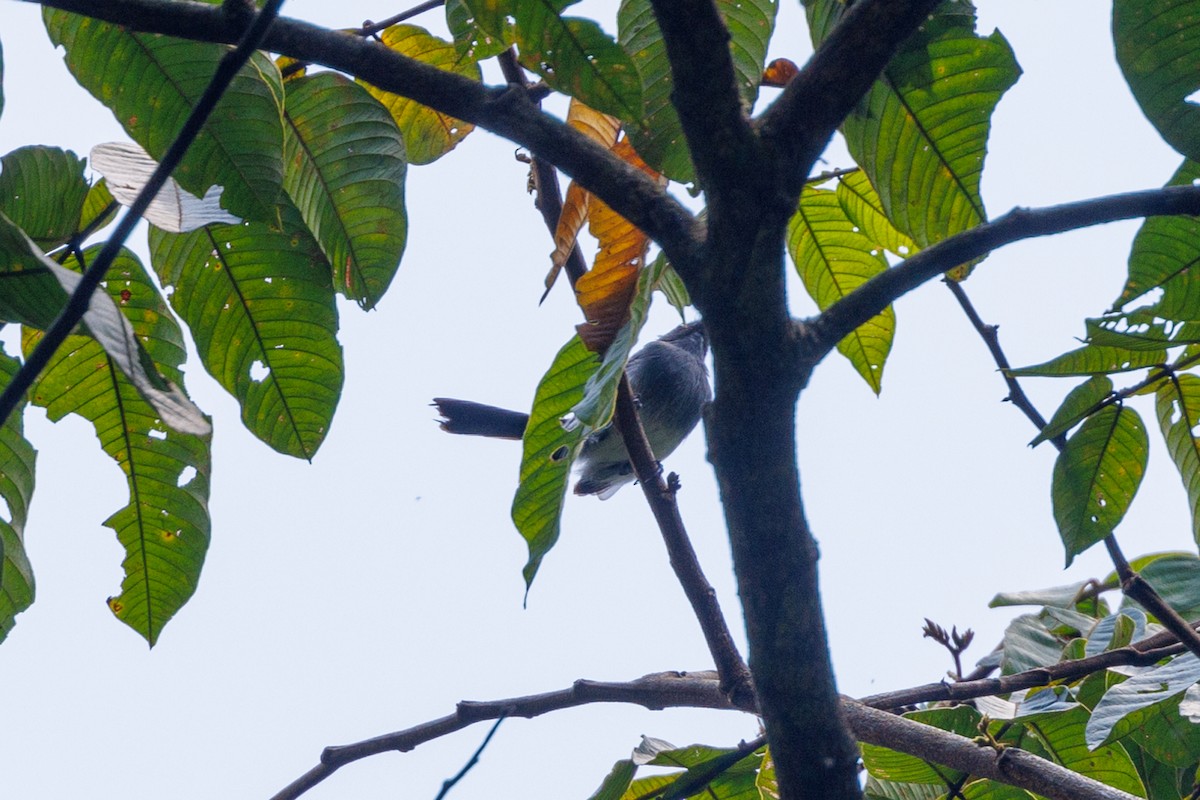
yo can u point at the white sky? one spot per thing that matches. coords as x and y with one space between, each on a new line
374 588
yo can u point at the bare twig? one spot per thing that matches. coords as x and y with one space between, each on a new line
655 692
449 783
77 304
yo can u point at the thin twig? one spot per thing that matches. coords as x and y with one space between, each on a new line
735 675
79 300
1133 585
448 784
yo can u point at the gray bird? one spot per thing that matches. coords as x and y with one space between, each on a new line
670 385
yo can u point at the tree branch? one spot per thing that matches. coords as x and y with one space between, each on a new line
1007 764
872 297
656 692
508 112
799 124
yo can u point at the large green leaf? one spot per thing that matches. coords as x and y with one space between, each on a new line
165 527
656 132
1178 405
261 309
1079 402
428 134
1028 644
1097 475
42 190
1125 707
1158 48
834 258
29 293
890 765
1176 578
921 132
345 172
1062 735
151 83
1094 360
549 451
576 57
863 206
17 458
1166 253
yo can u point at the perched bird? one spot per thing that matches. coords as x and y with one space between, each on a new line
670 385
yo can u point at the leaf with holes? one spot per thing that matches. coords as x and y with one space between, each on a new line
1097 475
151 83
1177 403
1158 49
165 527
862 205
921 131
345 172
656 131
42 190
17 459
834 258
428 134
549 450
261 309
576 57
470 38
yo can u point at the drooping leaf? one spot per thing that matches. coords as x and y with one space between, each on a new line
99 208
151 83
165 527
1166 253
1116 630
127 169
470 39
595 408
1123 707
42 191
345 172
672 286
616 782
576 57
1158 49
606 291
32 301
921 132
549 452
17 459
656 132
1176 578
1094 360
862 205
261 309
428 134
834 258
1059 596
1097 475
1177 403
1078 403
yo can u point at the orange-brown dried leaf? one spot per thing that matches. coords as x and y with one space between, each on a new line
606 291
603 129
779 72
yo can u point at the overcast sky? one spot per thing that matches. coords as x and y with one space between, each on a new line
376 587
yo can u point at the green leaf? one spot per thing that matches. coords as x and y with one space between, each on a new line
1094 360
576 57
1176 578
549 450
862 205
616 782
1097 475
920 133
890 765
42 190
17 459
595 409
715 773
1177 403
1028 644
1057 596
1062 735
470 39
31 294
672 286
876 789
99 207
1158 49
151 84
1124 708
1166 253
1140 329
262 313
428 134
1078 403
345 172
834 258
165 527
658 135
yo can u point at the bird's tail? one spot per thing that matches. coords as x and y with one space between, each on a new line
477 419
